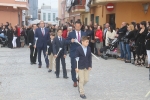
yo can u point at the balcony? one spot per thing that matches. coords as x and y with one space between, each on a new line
78 6
113 1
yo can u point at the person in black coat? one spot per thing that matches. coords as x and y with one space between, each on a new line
140 43
31 37
10 36
148 46
58 43
50 52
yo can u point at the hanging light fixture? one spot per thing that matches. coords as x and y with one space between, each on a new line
146 6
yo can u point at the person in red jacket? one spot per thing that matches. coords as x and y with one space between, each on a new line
64 35
99 39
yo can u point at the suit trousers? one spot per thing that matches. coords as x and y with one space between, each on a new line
33 57
60 56
73 72
83 79
148 55
40 49
52 62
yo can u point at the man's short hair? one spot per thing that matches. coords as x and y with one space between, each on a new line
52 34
84 38
42 21
59 29
78 22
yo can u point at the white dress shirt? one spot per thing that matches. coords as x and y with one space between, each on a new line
77 34
43 30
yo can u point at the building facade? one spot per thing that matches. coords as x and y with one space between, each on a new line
49 15
33 9
11 11
117 11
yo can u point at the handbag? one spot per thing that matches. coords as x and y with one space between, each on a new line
97 41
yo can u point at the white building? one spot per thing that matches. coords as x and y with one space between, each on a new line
49 14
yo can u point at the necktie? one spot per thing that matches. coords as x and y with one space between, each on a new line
43 31
78 36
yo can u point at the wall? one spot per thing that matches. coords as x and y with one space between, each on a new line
9 15
132 11
33 9
85 15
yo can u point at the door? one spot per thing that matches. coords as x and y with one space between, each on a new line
111 20
92 19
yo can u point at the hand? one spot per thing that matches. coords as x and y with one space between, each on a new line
89 68
46 53
96 37
92 41
55 56
34 46
64 56
141 31
77 70
29 46
72 40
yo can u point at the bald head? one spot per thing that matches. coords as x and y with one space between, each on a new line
107 25
123 24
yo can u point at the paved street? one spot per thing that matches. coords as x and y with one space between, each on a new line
109 80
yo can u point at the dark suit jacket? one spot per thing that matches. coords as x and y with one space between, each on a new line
148 41
57 44
50 49
73 46
42 40
31 37
84 61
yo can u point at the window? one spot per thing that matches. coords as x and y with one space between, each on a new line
97 19
49 16
44 16
86 21
54 16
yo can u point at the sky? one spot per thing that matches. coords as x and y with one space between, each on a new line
52 3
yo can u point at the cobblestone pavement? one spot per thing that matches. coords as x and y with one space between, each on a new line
109 80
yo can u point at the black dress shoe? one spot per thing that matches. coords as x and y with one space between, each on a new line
83 96
66 77
57 76
49 70
34 63
39 66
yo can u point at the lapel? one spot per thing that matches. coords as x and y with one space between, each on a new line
82 52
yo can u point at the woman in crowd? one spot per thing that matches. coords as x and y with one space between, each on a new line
128 37
110 34
140 43
133 41
14 38
64 35
22 37
148 46
91 35
99 39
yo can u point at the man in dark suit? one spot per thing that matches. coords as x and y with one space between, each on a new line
31 44
76 34
58 43
42 34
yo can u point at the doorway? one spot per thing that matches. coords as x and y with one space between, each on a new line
110 18
92 19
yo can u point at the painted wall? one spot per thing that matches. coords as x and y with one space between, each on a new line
86 15
127 12
132 11
9 15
